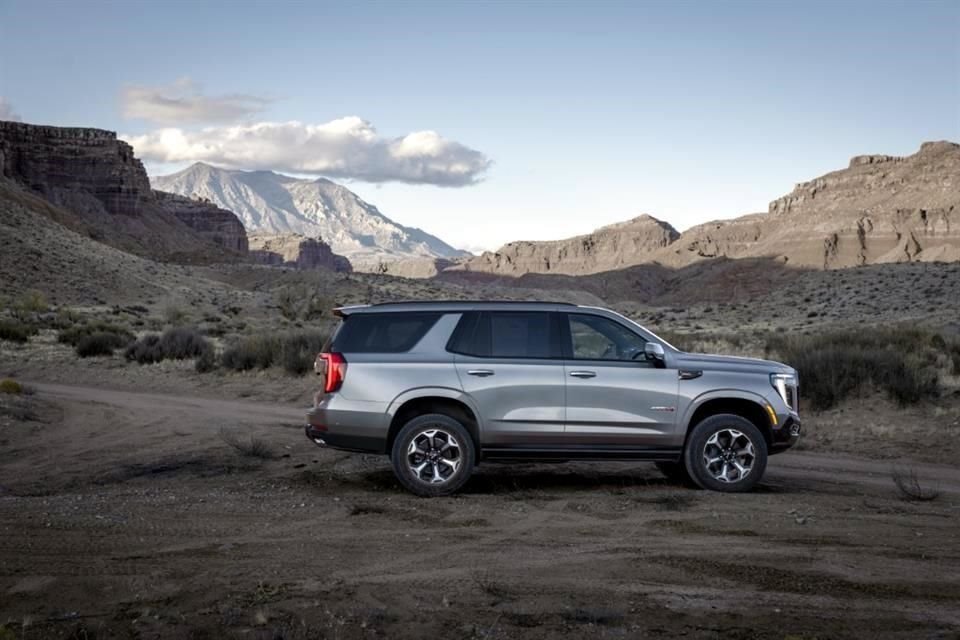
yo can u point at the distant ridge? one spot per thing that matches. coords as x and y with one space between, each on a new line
878 209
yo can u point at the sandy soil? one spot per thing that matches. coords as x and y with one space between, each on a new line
126 514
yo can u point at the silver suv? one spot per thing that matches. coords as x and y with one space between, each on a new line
443 386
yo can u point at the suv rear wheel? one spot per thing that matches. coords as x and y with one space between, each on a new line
727 453
433 455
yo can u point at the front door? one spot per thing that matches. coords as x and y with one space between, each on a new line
615 396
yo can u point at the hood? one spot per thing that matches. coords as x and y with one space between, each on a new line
730 363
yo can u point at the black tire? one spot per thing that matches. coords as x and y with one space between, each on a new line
676 472
448 454
733 441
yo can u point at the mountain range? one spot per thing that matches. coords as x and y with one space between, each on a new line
879 209
278 204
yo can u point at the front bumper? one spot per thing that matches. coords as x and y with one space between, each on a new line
786 436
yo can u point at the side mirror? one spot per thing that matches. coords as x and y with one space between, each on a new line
654 352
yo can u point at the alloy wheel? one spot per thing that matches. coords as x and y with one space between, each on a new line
434 455
728 455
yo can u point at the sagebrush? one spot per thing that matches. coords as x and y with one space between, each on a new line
180 343
293 351
904 363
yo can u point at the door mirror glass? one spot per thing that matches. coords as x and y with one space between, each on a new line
654 352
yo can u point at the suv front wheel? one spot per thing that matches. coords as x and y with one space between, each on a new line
433 455
727 453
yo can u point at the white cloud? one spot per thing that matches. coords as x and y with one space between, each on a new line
7 112
183 102
347 148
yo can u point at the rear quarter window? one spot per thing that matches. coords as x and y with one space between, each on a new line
382 332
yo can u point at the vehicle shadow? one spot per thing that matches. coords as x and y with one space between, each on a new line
566 478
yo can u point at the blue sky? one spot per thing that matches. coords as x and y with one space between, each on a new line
588 113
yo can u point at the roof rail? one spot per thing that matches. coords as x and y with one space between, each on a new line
398 302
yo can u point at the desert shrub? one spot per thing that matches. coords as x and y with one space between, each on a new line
29 304
904 363
294 351
299 350
303 302
10 386
705 341
206 362
99 344
180 343
952 349
174 315
73 335
253 352
16 331
251 447
682 341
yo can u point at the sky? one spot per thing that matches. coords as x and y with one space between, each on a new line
486 122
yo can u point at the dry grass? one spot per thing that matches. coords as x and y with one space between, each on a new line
251 447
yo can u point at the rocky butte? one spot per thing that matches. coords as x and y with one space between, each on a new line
297 251
608 248
104 189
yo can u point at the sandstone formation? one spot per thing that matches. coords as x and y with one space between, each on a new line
408 267
100 189
879 209
297 251
216 225
608 248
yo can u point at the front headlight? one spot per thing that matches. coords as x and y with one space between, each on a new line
785 384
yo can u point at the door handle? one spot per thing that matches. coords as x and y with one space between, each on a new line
483 373
583 374
687 374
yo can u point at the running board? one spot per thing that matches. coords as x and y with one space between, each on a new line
581 452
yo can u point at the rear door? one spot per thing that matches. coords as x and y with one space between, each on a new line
615 396
511 364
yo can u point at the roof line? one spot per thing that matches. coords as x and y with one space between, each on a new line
399 302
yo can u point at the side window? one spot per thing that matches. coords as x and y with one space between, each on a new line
519 334
382 332
597 338
506 334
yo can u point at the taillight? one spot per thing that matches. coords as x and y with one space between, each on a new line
334 370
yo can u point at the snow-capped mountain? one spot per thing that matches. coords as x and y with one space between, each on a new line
271 202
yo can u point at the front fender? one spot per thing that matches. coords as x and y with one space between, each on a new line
718 394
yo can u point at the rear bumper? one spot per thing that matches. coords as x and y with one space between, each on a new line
347 430
786 436
342 442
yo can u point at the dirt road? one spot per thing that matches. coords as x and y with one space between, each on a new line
126 514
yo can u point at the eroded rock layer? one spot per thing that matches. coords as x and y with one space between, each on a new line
104 191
